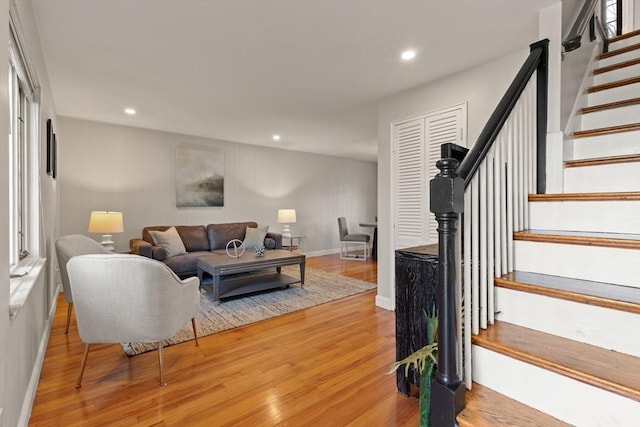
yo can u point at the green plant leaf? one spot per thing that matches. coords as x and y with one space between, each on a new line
424 358
420 359
432 325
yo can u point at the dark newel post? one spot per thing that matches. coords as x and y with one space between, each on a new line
541 105
447 203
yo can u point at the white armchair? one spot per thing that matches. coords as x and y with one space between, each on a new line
129 298
66 248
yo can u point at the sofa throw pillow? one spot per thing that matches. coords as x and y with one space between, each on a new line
255 236
169 240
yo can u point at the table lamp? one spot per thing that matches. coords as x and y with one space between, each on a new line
286 217
106 223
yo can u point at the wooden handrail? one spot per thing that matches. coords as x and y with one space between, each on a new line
446 192
572 42
605 40
536 61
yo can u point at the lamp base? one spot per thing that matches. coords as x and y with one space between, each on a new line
286 231
107 242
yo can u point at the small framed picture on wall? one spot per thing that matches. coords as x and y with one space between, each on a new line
49 146
54 158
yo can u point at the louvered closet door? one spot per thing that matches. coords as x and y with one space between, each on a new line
410 186
417 149
440 128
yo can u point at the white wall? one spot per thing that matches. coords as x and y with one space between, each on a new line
24 336
119 168
482 87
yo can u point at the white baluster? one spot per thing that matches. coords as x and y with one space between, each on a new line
482 217
475 254
467 287
489 270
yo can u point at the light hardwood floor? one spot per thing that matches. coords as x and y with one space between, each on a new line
323 366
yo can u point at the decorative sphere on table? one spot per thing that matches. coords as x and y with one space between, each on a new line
235 248
259 250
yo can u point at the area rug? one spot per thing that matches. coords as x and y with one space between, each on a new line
319 287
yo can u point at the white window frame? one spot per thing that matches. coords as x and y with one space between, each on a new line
24 164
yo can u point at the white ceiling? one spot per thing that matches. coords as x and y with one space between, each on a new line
312 71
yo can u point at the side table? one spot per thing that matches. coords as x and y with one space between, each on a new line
292 242
374 245
416 282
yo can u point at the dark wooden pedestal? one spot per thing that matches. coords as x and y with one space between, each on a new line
416 279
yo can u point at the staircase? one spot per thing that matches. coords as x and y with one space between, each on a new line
565 346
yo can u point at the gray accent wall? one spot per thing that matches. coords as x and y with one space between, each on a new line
119 168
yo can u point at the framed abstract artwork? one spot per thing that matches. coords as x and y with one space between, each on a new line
199 176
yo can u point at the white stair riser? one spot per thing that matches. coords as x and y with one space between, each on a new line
605 145
579 322
610 117
613 95
624 43
618 58
612 177
602 216
599 264
619 74
562 397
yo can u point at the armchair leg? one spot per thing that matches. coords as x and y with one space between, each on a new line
82 365
162 383
69 308
195 332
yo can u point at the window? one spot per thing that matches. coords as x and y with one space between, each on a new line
611 11
23 161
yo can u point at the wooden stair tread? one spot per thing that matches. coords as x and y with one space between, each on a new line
599 161
617 66
608 295
610 105
610 370
586 197
607 130
624 36
487 408
614 84
619 51
608 240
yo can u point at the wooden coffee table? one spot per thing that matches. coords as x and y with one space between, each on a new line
257 274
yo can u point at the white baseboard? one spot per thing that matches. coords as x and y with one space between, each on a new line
30 394
385 302
323 252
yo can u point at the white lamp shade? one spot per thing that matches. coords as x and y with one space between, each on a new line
106 222
286 216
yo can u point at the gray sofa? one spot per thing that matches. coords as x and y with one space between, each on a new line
198 240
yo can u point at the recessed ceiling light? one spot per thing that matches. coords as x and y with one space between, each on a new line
408 55
276 137
130 111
